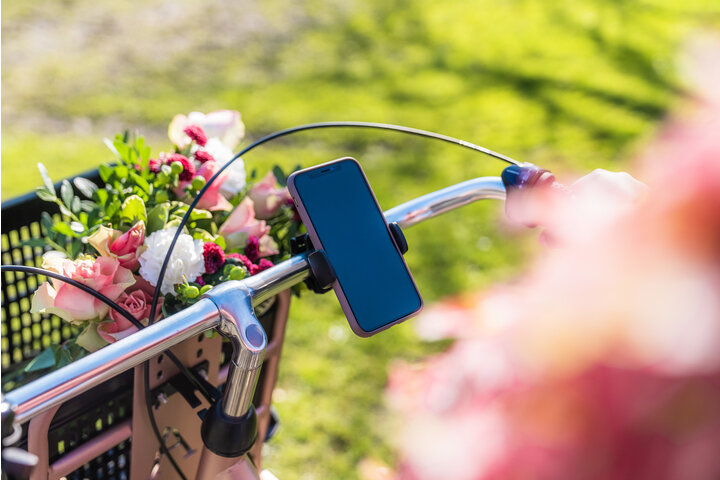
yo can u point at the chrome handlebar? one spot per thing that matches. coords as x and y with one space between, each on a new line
227 308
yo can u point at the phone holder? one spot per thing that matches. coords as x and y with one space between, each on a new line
322 274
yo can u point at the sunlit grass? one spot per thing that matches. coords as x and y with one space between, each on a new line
571 85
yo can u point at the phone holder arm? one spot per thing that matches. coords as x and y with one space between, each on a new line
322 275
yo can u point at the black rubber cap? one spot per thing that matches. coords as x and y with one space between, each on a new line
229 436
399 236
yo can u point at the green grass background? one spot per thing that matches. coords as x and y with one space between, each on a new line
570 85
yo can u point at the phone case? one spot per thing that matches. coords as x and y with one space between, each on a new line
354 325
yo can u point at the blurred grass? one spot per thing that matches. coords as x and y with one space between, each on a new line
570 85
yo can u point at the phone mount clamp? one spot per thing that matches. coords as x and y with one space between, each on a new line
322 274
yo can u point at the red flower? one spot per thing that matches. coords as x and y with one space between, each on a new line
188 168
245 260
214 257
252 249
154 165
197 134
202 156
264 264
199 280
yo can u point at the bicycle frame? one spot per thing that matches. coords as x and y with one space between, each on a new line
228 308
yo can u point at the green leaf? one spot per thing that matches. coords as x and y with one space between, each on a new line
106 171
279 175
34 242
121 171
113 207
65 211
46 359
46 177
66 193
64 229
75 248
47 221
45 194
85 186
89 339
133 209
157 218
101 196
122 149
199 214
87 205
75 206
140 182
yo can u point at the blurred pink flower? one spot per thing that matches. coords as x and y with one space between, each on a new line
225 125
604 360
267 197
212 199
242 225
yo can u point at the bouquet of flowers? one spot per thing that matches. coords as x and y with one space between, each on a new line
116 238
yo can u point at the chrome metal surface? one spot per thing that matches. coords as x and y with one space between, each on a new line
281 277
239 323
56 387
235 300
450 198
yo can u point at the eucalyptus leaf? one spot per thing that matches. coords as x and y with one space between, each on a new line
46 177
133 209
65 211
109 144
34 242
46 359
87 205
45 194
85 186
47 221
75 206
66 193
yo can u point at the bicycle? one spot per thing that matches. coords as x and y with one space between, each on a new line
233 429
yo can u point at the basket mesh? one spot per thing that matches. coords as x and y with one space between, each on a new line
111 465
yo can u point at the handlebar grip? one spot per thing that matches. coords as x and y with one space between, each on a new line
524 184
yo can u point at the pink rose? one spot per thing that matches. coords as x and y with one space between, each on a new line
242 225
212 199
267 197
137 303
225 125
123 246
103 274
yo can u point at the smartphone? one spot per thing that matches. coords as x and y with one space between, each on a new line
343 218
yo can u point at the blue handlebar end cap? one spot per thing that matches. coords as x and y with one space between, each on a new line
525 175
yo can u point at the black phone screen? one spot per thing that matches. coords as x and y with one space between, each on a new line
354 235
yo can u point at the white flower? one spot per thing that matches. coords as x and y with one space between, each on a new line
236 178
186 261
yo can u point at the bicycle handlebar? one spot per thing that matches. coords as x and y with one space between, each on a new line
56 387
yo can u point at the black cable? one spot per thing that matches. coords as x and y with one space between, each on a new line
300 128
126 314
40 271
